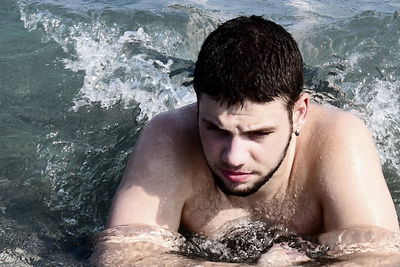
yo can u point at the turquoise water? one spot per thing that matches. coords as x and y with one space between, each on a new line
78 79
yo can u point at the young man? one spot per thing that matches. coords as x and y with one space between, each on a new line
254 146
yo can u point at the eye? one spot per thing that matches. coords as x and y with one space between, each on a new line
219 131
258 134
216 130
212 127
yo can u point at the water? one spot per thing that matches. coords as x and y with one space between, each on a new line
78 79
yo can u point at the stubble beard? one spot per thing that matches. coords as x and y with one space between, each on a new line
259 182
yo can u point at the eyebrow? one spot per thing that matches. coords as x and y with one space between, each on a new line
262 129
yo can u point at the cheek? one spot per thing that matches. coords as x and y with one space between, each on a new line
270 150
261 153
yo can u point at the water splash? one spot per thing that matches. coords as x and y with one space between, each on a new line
245 240
128 67
383 112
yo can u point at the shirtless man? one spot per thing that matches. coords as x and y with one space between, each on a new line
254 146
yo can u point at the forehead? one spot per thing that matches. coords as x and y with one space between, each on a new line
272 112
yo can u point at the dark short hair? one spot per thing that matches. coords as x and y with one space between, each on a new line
249 58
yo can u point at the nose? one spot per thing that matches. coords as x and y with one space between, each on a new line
235 153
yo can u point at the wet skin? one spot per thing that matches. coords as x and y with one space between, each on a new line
206 164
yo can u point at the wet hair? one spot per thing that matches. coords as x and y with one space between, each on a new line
249 58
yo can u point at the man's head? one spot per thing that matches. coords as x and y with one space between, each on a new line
249 58
248 80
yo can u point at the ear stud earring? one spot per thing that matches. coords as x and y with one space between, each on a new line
297 132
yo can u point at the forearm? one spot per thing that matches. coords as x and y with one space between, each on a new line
142 245
124 245
138 253
361 240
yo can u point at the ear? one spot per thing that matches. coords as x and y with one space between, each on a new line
300 110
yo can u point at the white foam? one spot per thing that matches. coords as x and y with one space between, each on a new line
143 79
302 5
377 101
383 117
112 75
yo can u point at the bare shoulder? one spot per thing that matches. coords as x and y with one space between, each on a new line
171 125
166 143
332 123
341 140
157 179
335 132
349 176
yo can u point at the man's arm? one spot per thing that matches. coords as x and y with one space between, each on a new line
153 189
146 211
353 191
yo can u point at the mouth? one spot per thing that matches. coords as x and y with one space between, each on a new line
235 176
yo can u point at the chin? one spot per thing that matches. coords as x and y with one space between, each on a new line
241 192
238 189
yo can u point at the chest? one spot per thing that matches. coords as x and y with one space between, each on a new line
207 213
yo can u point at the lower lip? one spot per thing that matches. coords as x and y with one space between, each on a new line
237 178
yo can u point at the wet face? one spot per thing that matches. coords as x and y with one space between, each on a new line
244 145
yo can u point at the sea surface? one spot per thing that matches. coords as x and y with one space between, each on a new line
79 78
